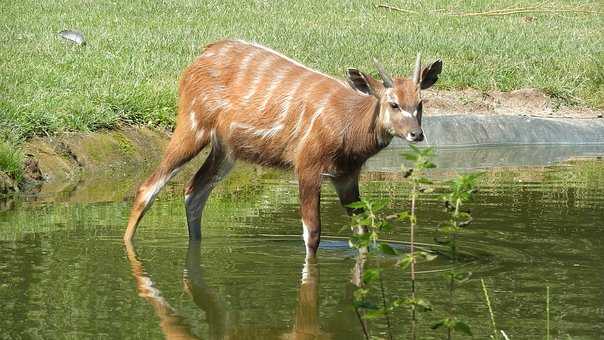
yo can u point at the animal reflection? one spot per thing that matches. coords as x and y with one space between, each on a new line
306 323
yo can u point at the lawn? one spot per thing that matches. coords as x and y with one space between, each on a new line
128 71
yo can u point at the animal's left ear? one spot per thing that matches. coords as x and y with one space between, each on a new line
430 74
359 81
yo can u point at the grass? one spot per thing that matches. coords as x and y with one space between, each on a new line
11 161
128 71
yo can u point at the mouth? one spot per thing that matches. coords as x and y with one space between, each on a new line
411 141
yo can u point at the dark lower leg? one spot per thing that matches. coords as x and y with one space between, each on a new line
216 166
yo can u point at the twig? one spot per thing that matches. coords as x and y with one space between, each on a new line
498 12
363 326
505 336
385 304
522 10
547 314
392 8
486 296
412 245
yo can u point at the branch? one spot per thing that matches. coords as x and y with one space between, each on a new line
396 9
498 12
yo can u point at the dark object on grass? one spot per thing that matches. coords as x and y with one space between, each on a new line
73 36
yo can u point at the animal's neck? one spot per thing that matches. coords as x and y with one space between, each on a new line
364 136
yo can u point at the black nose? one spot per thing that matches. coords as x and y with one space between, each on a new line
416 135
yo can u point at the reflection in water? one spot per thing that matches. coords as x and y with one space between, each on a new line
203 296
306 324
63 274
172 325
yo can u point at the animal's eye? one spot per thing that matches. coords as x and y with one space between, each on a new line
394 105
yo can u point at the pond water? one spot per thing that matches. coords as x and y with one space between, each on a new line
65 273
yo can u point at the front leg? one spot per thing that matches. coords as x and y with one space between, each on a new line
310 196
347 187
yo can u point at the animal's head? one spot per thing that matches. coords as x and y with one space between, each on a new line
400 101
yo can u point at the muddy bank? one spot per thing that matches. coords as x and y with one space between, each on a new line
93 159
524 102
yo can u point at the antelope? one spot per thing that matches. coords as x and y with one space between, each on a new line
255 104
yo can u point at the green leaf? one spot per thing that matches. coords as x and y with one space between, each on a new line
462 277
410 157
385 226
423 180
371 275
428 152
374 314
415 149
439 323
462 327
359 294
405 261
387 249
442 240
356 205
359 240
422 163
427 256
423 304
379 205
404 216
365 305
364 221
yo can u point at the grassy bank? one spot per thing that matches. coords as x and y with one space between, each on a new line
136 50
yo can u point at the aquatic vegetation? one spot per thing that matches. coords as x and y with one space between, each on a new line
367 243
369 224
461 190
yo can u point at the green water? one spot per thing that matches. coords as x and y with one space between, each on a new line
64 272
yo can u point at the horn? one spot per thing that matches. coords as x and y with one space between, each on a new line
418 69
385 77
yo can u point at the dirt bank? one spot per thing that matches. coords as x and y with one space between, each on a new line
65 160
525 102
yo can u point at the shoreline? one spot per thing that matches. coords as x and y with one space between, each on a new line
453 119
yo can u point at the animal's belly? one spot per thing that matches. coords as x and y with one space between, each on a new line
260 147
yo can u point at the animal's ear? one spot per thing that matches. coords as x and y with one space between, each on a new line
361 82
430 74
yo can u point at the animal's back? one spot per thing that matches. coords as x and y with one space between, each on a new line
261 103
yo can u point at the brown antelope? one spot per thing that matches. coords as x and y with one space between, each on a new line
255 104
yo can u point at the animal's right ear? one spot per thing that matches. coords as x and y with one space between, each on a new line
360 81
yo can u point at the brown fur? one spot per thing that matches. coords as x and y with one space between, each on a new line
257 105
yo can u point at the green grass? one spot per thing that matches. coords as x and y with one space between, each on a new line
11 161
136 50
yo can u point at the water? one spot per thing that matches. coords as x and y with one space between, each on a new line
64 272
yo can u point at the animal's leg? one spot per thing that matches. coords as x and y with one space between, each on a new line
183 146
347 187
217 166
310 196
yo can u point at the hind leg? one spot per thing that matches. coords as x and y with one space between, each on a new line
216 167
183 146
